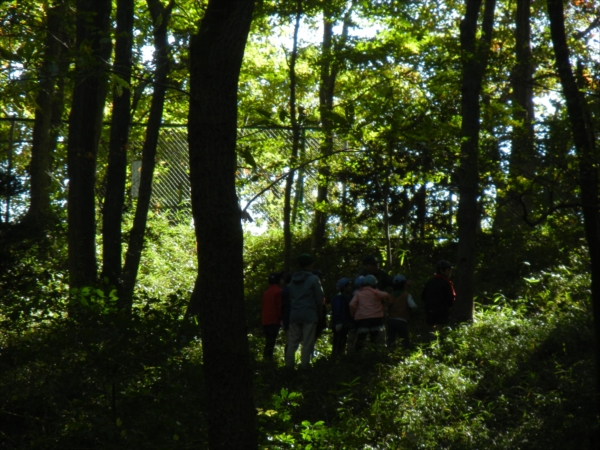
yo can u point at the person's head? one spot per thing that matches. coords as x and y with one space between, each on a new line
344 285
399 282
306 261
444 268
371 264
276 278
370 280
359 282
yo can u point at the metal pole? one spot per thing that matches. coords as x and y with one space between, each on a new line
10 157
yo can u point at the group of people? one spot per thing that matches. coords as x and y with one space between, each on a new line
297 304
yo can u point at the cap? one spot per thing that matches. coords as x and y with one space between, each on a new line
359 282
342 283
443 265
370 280
399 279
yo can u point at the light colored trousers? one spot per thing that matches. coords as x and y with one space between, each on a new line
305 333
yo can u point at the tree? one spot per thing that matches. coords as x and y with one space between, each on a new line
289 182
331 62
160 16
117 151
218 299
474 57
47 117
85 125
584 140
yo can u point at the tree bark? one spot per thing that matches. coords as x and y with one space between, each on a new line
42 145
117 150
289 182
584 139
85 127
160 16
218 298
474 56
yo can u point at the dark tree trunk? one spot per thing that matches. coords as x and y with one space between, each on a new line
474 57
583 137
329 70
218 299
43 142
117 149
522 155
289 182
85 127
523 151
160 16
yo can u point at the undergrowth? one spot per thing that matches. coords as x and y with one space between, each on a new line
520 377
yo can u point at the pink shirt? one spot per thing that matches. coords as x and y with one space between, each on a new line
368 303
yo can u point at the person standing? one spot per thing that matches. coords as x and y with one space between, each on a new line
371 267
271 313
367 308
399 312
439 296
306 307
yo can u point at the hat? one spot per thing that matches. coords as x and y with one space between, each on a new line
275 277
399 279
342 283
359 282
370 260
305 259
370 280
443 265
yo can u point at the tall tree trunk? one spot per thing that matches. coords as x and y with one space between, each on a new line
289 182
85 127
584 139
160 16
522 155
218 298
117 149
42 145
330 65
474 56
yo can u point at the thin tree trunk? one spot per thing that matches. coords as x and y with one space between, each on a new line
583 137
218 298
474 57
160 16
329 70
85 127
42 145
117 151
289 182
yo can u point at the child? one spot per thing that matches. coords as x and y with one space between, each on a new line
399 312
367 310
271 313
341 319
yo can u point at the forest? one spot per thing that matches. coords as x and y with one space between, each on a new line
159 159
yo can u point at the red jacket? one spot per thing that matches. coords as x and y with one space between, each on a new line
271 305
